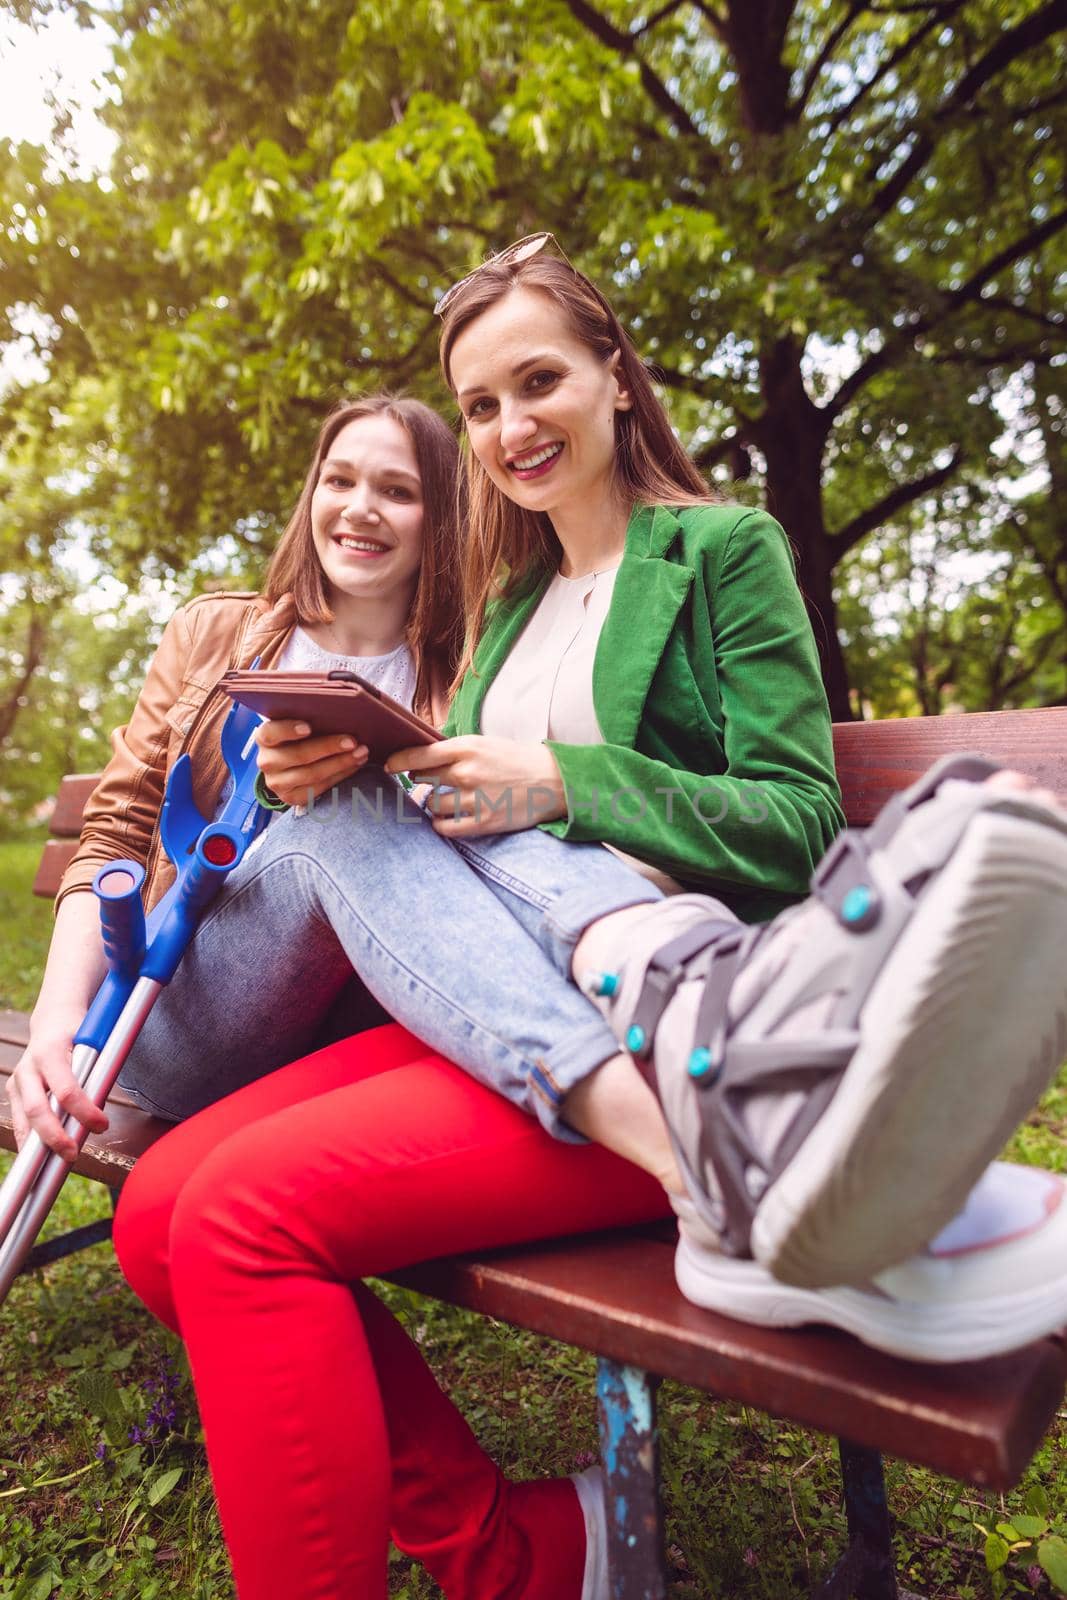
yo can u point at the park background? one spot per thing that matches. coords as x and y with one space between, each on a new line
836 231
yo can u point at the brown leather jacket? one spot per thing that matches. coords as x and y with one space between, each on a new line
179 711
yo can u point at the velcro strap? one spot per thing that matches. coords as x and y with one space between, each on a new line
664 973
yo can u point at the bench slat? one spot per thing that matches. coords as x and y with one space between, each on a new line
14 1028
615 1294
9 1055
56 857
106 1158
876 759
74 791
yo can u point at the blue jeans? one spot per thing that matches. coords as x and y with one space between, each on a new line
467 943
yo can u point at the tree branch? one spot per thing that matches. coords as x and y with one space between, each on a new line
690 383
1041 650
11 704
657 17
941 6
1009 45
849 536
409 360
398 288
949 301
1051 102
890 64
1047 568
985 359
1056 323
718 24
716 450
856 9
625 45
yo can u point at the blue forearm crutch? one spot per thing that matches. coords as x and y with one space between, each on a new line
142 957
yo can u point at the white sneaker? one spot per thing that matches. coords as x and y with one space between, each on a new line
994 1279
591 1486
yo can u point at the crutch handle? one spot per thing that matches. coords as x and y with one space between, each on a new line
118 888
122 920
217 852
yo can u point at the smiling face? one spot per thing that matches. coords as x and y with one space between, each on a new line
540 406
367 511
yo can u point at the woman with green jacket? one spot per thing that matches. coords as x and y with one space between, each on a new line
637 770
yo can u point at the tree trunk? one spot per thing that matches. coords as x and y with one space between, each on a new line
13 700
792 436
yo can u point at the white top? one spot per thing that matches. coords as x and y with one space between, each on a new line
394 673
544 690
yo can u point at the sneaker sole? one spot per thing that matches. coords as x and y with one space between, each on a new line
958 1041
938 1331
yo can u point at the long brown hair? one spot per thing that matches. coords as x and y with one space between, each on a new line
508 546
434 629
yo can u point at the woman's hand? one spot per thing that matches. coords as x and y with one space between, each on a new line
299 768
498 785
44 1069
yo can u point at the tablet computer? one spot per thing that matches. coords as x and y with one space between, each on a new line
332 702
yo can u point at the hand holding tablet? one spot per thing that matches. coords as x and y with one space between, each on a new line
338 702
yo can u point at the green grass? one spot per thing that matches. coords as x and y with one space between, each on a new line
26 923
753 1509
753 1504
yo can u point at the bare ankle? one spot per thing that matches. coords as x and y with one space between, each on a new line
615 1107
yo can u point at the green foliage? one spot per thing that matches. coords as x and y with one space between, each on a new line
90 670
1027 1540
104 1490
835 229
27 923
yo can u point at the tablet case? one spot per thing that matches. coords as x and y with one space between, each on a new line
332 702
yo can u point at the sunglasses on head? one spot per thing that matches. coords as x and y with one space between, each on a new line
512 254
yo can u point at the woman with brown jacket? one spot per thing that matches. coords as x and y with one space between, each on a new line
381 598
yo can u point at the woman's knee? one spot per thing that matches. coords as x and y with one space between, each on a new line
141 1231
236 1223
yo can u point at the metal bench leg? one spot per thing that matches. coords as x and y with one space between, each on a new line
629 1448
67 1244
865 1571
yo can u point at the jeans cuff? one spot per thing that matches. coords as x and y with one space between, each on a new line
571 913
555 1074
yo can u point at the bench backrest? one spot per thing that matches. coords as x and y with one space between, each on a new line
874 760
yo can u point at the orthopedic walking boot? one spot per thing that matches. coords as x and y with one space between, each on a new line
836 1082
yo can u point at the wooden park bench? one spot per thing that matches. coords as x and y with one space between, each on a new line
614 1294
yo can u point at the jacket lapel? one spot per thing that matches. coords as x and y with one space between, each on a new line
648 595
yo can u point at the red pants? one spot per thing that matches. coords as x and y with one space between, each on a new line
247 1229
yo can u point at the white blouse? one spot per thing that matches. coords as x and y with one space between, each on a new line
394 673
544 690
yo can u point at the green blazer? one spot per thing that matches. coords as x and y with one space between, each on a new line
717 763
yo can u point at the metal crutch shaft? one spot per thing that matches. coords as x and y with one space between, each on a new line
53 1169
